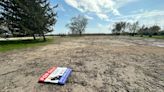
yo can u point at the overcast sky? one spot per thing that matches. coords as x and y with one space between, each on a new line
103 13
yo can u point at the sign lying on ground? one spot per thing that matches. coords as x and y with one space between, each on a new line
56 75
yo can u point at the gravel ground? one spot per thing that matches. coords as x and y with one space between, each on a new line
99 63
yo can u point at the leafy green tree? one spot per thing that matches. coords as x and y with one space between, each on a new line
28 17
8 8
3 31
153 30
78 24
161 32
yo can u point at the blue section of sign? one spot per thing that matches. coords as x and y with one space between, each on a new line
65 76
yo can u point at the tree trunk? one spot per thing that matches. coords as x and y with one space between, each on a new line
34 36
44 38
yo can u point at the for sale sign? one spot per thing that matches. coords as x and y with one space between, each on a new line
57 75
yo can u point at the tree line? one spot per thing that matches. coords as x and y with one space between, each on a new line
126 28
37 17
26 17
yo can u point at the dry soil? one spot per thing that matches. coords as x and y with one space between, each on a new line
99 63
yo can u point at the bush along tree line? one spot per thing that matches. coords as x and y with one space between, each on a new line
26 17
125 28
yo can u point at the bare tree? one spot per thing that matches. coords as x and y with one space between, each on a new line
133 28
78 24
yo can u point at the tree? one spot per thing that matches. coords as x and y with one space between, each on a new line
8 14
1 26
161 32
78 24
119 27
144 31
123 25
153 30
114 31
141 31
28 17
133 28
4 31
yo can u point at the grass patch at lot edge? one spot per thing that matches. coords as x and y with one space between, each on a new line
8 45
156 37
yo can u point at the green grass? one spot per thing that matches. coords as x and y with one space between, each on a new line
155 37
8 45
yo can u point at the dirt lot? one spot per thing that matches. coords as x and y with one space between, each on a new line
100 64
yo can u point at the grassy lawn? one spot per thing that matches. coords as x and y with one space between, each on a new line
19 44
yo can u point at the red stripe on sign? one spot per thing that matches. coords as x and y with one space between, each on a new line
51 70
46 74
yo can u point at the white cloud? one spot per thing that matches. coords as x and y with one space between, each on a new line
102 16
89 17
144 17
143 14
73 3
101 8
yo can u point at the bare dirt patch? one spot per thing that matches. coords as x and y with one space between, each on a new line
100 64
